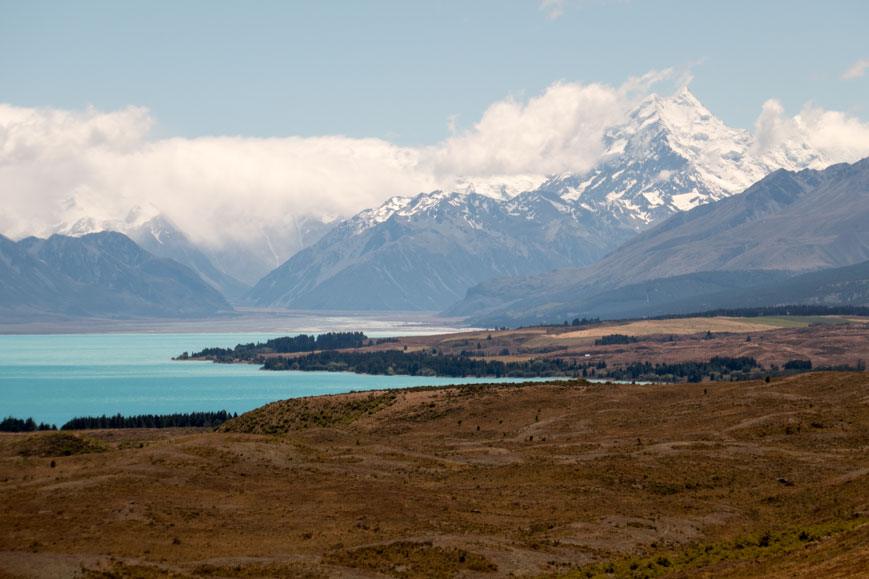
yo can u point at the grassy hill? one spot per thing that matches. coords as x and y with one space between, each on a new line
565 479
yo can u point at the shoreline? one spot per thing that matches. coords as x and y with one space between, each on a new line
244 321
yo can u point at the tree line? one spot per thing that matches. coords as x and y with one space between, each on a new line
283 345
12 424
716 369
792 310
392 362
614 339
176 420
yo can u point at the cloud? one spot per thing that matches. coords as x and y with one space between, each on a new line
857 70
838 137
771 127
58 166
553 8
558 131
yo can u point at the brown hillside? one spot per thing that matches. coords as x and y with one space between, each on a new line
763 479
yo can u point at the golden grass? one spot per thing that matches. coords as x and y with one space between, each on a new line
679 327
545 479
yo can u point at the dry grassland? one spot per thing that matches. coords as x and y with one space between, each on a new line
826 341
564 479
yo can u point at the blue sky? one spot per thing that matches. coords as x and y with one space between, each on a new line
400 70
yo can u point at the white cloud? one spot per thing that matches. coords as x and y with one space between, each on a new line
558 131
838 137
856 70
552 8
57 166
771 127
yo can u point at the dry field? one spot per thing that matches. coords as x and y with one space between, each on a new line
565 479
827 341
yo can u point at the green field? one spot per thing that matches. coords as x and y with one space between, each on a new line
795 321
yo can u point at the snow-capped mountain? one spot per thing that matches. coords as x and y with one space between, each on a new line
423 252
672 155
156 234
738 252
231 269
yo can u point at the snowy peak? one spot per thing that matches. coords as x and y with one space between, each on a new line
672 154
135 219
501 187
397 205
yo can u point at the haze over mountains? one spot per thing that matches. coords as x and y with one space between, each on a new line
232 269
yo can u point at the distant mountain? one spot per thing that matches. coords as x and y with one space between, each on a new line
232 267
425 252
26 283
672 155
787 224
163 239
98 274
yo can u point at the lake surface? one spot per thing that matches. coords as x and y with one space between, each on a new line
54 378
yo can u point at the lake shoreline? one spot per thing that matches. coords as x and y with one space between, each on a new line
243 320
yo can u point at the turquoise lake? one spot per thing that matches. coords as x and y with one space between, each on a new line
54 378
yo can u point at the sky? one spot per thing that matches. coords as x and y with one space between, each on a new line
325 108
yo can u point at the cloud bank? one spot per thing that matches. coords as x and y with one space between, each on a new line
57 166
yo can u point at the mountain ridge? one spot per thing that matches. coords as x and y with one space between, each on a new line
789 223
418 252
98 274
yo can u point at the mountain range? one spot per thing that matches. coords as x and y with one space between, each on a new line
737 251
661 221
98 274
425 252
231 268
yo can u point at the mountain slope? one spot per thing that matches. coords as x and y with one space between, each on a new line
422 253
425 252
26 283
159 237
788 223
103 274
232 267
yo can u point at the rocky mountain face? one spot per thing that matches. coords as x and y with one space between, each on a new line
425 252
787 224
98 274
